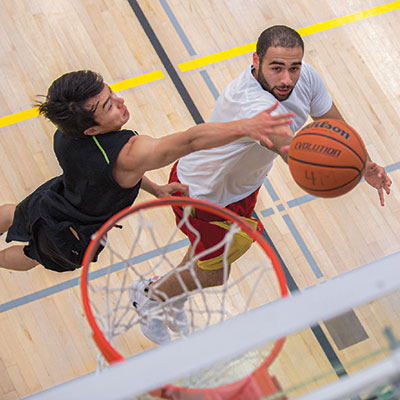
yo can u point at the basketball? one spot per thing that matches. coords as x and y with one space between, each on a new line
327 158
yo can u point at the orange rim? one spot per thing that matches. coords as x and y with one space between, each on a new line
109 353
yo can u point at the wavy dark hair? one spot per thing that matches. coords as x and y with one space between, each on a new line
278 36
65 100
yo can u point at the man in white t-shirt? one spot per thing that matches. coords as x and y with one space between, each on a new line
231 175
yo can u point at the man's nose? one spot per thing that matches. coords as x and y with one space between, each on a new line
285 78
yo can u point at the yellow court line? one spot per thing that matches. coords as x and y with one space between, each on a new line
220 56
308 30
116 87
18 117
137 81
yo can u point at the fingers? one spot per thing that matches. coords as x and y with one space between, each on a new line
285 149
179 187
286 116
381 197
267 142
371 168
269 110
278 132
386 184
280 122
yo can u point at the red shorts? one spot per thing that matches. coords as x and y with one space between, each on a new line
212 229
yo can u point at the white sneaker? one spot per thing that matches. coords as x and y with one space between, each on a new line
177 320
150 311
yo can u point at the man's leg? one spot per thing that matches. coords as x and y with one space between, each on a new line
6 216
14 258
170 286
146 298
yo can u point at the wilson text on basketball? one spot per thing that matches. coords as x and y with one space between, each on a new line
329 126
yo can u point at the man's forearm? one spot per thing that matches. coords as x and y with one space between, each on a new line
149 186
208 135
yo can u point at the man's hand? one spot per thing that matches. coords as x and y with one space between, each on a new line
264 126
376 176
163 190
170 189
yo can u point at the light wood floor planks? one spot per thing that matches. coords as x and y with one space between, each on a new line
46 340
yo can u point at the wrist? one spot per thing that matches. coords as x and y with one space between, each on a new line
239 127
149 186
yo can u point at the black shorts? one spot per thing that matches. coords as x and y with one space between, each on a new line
51 243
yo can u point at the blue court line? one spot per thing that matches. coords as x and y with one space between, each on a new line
301 200
271 191
308 197
174 246
210 84
317 330
392 167
290 224
179 30
92 275
303 247
304 199
267 213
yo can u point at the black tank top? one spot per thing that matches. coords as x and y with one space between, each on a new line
84 197
86 194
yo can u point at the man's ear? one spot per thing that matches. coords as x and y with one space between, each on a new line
93 130
256 61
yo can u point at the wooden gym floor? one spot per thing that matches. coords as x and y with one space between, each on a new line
170 72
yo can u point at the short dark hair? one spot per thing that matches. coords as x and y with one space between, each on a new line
65 100
278 36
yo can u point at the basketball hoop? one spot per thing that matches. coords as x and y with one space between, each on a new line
145 247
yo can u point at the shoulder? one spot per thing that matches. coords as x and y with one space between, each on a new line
309 74
134 147
242 98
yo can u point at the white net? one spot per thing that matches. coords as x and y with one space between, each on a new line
371 365
151 245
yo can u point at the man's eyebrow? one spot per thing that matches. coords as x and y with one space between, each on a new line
108 98
93 108
282 63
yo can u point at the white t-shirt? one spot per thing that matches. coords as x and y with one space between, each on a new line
229 173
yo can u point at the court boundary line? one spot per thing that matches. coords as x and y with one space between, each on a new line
30 113
305 31
252 325
37 295
223 55
398 1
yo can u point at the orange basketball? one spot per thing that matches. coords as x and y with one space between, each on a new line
327 158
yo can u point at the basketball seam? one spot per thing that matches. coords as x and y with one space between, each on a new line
336 140
328 190
359 141
325 166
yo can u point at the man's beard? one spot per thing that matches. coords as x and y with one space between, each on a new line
266 86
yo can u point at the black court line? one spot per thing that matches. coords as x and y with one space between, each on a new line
180 87
317 330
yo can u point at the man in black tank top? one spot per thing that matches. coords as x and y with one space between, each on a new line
103 169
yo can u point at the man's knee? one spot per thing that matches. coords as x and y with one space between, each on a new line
210 278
